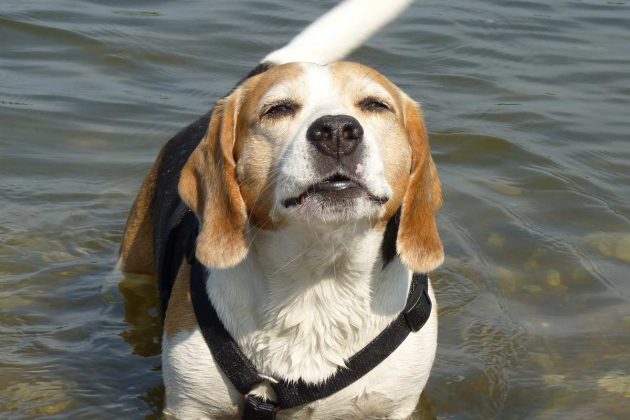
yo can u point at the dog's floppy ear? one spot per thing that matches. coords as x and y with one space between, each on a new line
208 185
418 242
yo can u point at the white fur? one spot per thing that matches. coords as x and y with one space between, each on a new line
310 295
321 97
304 300
338 32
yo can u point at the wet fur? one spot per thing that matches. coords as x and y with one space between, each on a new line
299 292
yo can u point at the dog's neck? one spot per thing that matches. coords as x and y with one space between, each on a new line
304 300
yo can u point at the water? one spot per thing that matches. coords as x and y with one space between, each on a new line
527 103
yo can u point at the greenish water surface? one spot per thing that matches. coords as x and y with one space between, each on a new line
528 104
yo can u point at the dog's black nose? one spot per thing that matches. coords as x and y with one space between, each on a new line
335 135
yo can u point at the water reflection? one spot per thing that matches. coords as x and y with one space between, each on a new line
144 332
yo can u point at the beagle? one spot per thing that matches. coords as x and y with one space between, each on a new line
314 198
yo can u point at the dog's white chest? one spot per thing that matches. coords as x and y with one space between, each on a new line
197 388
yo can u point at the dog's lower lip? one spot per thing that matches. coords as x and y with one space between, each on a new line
335 183
331 185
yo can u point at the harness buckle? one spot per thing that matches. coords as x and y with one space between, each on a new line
256 408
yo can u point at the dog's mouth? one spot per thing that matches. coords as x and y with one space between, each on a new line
335 189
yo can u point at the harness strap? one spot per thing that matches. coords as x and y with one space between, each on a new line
236 366
244 375
413 317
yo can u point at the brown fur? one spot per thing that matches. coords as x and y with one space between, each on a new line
136 249
418 242
254 154
347 73
409 169
208 185
180 315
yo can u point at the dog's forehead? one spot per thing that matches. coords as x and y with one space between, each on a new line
363 80
314 82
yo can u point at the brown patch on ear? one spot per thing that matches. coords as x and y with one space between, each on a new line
208 185
418 243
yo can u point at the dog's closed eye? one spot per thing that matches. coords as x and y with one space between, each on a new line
373 104
280 109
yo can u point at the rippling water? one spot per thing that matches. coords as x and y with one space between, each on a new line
528 105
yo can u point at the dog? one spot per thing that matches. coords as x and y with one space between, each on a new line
290 230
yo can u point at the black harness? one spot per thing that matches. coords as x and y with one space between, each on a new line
175 234
241 371
244 375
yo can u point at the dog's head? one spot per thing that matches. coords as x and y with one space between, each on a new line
319 145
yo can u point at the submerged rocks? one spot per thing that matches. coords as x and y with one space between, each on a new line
611 245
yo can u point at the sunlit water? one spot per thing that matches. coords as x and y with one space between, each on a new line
528 103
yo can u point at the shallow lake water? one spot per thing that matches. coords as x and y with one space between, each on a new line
528 105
